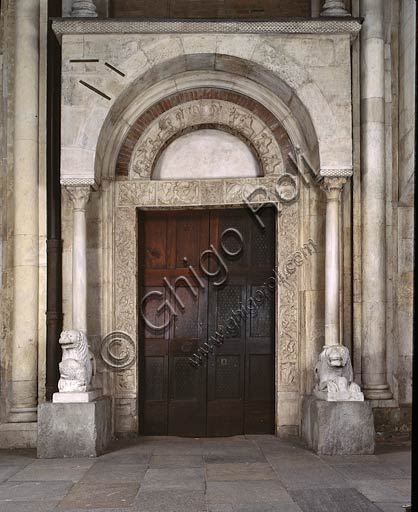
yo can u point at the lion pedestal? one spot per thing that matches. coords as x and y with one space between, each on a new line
78 421
74 429
336 420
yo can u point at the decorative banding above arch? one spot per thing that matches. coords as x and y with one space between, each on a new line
242 103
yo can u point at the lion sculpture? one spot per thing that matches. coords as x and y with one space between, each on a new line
75 367
334 376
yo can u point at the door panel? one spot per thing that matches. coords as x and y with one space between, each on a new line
232 392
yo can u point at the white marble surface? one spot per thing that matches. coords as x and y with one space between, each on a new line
80 397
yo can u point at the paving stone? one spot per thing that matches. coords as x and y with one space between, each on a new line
247 493
332 500
368 471
25 506
179 461
33 491
400 459
17 457
256 507
8 471
171 501
234 459
391 507
386 491
190 479
245 471
349 459
192 447
102 472
307 474
99 495
70 470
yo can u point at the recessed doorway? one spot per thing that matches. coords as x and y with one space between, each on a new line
206 315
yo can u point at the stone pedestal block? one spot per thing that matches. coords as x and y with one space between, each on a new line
74 429
338 428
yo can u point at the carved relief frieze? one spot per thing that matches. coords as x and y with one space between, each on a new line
282 189
208 112
288 300
125 271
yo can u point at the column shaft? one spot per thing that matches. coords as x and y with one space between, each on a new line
373 202
332 187
80 196
24 374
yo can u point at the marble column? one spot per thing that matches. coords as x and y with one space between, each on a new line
24 365
334 8
373 192
79 196
332 188
83 9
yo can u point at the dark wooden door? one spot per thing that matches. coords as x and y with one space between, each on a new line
198 269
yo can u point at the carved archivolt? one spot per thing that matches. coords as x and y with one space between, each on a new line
207 112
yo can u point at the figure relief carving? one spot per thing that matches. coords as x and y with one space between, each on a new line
234 119
75 367
183 192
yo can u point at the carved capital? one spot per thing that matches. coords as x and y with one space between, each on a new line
79 196
332 187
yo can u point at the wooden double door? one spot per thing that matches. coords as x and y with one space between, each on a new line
207 322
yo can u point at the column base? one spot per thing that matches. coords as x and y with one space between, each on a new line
22 415
74 429
338 428
378 392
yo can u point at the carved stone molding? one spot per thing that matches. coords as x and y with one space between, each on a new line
283 189
288 314
346 172
311 26
79 196
208 112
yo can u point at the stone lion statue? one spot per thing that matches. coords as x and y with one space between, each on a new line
334 376
75 367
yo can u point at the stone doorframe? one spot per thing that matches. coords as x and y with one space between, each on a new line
191 194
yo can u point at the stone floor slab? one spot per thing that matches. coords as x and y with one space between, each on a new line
256 507
99 495
367 471
25 506
303 474
17 457
102 472
158 479
8 471
33 491
70 470
247 493
178 461
386 491
171 501
391 507
332 500
243 471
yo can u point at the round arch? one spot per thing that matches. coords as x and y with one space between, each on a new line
172 77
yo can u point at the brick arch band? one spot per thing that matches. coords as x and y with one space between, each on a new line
155 111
